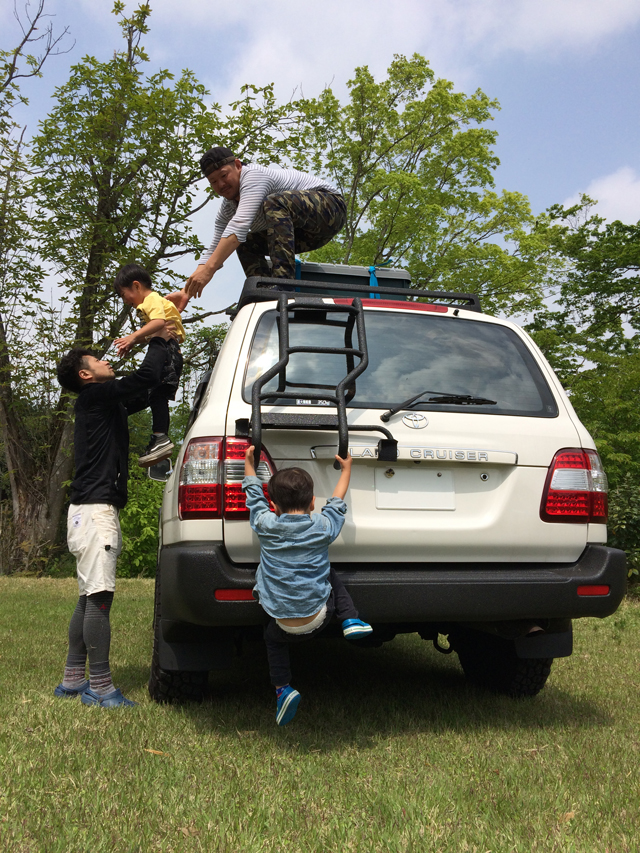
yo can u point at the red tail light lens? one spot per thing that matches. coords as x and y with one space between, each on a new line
211 477
599 489
200 491
576 489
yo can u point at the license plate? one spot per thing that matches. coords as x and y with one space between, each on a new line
407 488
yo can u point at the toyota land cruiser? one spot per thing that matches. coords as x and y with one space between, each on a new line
477 506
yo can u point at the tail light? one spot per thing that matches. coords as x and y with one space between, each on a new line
576 489
211 478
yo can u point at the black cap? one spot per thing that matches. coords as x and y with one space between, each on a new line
216 158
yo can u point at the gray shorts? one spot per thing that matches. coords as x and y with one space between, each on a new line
95 540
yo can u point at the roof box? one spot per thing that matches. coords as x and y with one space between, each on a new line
345 274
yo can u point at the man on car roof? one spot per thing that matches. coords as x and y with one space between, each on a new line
266 211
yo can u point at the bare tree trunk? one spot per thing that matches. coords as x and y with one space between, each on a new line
59 473
36 509
37 490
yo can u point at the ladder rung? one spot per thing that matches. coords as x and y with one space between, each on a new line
327 350
295 395
343 388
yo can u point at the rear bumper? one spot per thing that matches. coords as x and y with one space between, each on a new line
393 593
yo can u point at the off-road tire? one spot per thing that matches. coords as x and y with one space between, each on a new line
169 686
491 662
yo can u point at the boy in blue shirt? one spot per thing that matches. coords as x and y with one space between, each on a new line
295 583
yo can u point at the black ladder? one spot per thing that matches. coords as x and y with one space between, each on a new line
344 391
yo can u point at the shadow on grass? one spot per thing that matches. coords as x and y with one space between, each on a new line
353 696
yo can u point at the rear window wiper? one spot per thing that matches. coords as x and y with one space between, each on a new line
442 398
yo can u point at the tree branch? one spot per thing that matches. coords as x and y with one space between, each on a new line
29 37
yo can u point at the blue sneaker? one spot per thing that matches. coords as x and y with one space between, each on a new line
288 702
63 692
115 699
354 629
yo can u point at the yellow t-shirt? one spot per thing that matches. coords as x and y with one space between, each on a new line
156 307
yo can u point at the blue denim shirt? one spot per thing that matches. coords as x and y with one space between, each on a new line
293 574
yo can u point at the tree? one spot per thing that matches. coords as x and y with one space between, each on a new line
414 160
18 64
600 280
591 330
16 251
590 334
117 166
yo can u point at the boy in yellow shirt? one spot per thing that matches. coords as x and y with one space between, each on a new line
133 284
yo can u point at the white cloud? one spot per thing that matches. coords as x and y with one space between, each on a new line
313 43
617 194
537 25
321 41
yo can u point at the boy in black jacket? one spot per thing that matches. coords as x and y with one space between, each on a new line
98 492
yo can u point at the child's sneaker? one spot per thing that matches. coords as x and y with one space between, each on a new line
288 701
354 629
159 448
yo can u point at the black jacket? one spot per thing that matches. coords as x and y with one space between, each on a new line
102 430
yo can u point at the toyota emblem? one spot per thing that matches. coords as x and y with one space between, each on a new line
415 421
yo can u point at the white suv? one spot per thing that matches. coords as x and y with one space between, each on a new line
477 505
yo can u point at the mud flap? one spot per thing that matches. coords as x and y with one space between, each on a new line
191 657
542 645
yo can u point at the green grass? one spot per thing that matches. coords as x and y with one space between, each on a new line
390 750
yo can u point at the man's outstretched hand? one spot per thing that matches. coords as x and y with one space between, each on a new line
197 281
168 333
179 298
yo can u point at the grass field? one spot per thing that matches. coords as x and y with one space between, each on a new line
390 750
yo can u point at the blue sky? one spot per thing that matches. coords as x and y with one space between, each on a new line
566 73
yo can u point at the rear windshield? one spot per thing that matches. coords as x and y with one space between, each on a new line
408 353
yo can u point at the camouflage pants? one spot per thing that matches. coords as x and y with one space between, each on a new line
297 221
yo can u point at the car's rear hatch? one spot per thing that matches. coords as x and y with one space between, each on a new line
470 473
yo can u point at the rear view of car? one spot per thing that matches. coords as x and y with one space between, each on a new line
477 505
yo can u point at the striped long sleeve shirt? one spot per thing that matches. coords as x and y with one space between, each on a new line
256 183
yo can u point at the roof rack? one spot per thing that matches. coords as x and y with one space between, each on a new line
264 289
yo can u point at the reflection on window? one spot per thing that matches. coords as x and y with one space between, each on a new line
408 354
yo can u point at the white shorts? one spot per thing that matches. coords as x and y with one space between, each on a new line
95 540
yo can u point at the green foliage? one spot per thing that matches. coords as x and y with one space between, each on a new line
606 400
110 178
590 335
415 162
117 155
624 521
600 280
139 523
139 519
